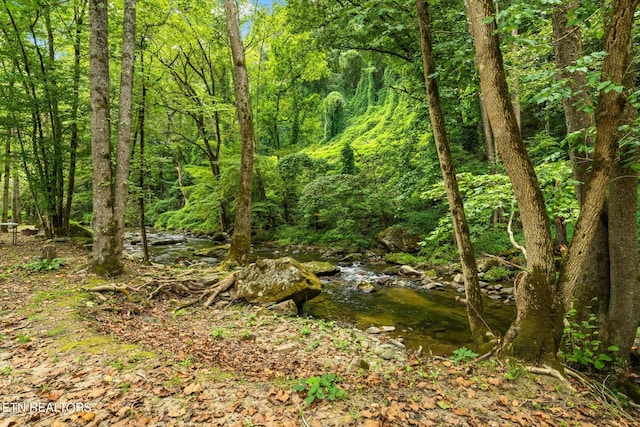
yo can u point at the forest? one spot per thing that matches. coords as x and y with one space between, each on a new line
482 127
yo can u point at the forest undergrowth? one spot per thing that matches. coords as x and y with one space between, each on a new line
70 357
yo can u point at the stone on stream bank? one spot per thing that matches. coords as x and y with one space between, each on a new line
322 268
269 281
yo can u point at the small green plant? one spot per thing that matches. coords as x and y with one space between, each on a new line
218 333
6 370
582 345
116 364
340 344
306 330
314 344
24 338
320 388
462 355
514 371
180 312
186 362
43 265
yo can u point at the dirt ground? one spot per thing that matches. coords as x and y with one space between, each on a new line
70 357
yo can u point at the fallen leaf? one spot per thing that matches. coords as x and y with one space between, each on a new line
462 412
504 400
282 396
192 388
86 416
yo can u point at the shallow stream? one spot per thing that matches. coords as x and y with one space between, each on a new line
432 318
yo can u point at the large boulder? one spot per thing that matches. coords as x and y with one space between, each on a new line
399 239
275 280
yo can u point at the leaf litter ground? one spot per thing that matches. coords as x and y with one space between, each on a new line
73 358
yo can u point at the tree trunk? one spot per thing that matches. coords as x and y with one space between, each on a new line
16 206
105 260
73 144
592 296
125 118
110 192
535 334
7 177
241 239
475 310
142 168
623 311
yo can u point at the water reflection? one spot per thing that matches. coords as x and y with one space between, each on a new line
432 319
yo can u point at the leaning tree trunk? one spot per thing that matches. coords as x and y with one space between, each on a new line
241 239
475 312
534 335
592 296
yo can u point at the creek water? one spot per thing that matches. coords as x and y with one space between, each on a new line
432 319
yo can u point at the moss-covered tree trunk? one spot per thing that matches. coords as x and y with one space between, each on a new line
475 311
241 239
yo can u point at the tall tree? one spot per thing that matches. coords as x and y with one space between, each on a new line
475 310
241 239
109 188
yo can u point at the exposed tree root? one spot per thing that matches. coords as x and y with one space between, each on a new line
190 284
212 292
550 372
111 288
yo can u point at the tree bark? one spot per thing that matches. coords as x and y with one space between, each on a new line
125 118
475 312
109 190
536 331
103 224
241 239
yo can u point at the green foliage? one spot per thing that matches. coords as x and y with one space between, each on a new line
347 159
462 355
320 388
43 265
497 273
218 333
335 115
402 258
583 346
342 208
